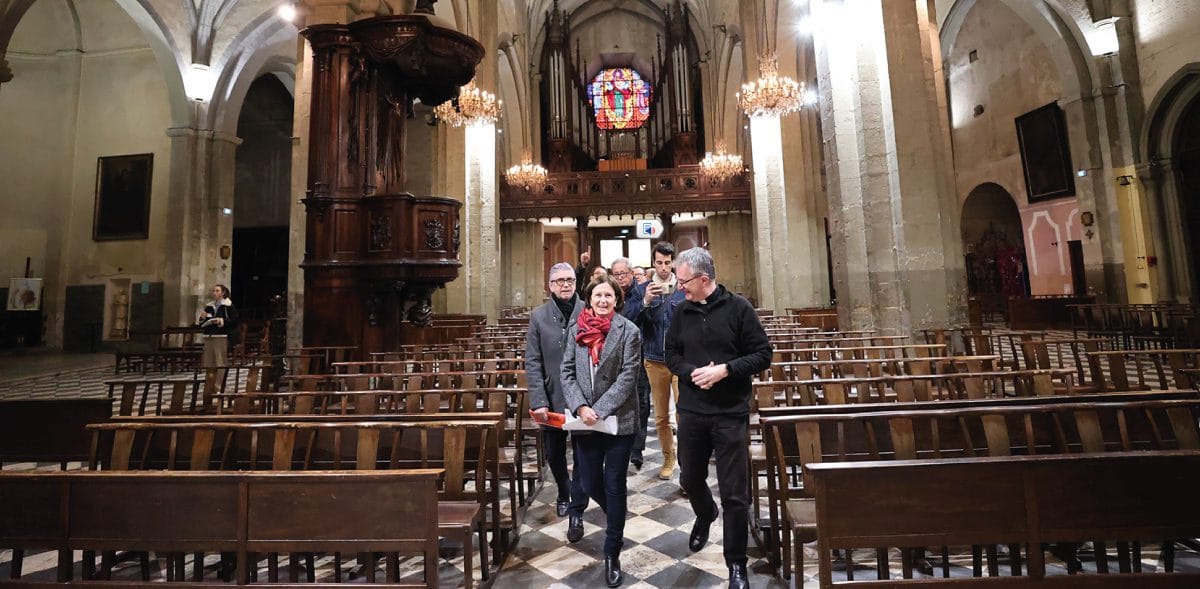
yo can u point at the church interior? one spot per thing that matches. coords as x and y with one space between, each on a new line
969 229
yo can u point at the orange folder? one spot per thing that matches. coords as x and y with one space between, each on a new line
552 419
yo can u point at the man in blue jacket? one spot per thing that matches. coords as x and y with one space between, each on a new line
651 306
715 345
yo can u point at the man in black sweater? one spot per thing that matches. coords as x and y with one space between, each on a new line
715 345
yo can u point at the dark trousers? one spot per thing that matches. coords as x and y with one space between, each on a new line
554 441
601 467
700 437
639 442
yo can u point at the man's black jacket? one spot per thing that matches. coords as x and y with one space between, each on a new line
723 330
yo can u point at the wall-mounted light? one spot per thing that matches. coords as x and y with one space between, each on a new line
1102 39
1124 180
1081 173
226 211
199 82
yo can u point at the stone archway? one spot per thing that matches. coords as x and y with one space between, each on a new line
1171 176
1187 166
993 244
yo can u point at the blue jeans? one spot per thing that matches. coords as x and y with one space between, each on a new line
602 465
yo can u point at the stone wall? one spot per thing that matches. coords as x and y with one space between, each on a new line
76 96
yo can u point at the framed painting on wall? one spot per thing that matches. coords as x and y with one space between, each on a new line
123 197
24 294
1045 153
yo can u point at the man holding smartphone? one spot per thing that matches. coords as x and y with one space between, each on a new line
651 305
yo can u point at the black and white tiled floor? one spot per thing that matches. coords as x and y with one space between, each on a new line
656 550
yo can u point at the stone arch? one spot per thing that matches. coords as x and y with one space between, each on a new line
166 53
1060 28
1168 148
993 242
265 45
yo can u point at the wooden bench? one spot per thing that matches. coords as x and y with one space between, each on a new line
796 442
1025 502
158 396
465 448
919 387
1124 370
209 512
876 367
400 381
49 430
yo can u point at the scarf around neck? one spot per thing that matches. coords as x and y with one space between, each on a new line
592 331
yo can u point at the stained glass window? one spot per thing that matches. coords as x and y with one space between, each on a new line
620 98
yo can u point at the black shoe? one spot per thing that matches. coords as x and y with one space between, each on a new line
561 507
574 528
737 577
699 535
636 459
612 571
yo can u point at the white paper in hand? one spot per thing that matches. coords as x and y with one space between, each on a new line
608 425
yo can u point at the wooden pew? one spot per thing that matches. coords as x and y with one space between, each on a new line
1025 502
1125 370
460 445
208 512
400 381
49 430
921 387
511 402
798 441
158 396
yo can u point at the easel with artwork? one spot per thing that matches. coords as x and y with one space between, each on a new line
22 320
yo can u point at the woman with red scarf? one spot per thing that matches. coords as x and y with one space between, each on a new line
599 377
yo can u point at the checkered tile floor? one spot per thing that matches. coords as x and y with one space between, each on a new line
656 550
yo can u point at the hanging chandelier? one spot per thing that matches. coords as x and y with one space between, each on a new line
527 174
771 94
721 165
472 107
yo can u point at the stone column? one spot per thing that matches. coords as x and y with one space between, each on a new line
523 280
731 241
202 176
479 227
897 251
301 118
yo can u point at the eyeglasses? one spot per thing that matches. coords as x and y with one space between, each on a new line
621 273
683 282
562 281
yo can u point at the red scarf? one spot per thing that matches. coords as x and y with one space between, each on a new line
592 331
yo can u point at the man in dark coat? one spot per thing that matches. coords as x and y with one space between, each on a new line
715 345
544 346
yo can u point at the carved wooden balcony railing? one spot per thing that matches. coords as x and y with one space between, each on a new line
657 191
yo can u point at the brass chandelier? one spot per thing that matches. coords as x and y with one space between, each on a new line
721 165
771 94
472 107
527 174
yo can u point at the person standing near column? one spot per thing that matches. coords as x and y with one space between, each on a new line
622 270
651 306
218 320
715 345
545 343
599 378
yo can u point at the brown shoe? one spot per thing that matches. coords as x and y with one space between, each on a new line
668 467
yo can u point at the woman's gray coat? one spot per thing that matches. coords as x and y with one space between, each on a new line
614 391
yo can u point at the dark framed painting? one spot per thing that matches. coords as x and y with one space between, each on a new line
1045 153
123 197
